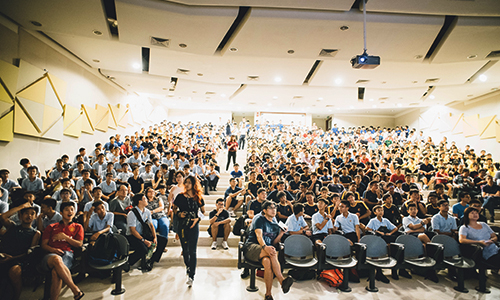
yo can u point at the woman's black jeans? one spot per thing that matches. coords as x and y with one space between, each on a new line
189 242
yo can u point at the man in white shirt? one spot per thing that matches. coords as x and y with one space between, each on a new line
295 223
347 222
321 222
414 225
443 223
100 222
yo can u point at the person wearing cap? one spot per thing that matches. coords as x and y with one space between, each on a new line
15 243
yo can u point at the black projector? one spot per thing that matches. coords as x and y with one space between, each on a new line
365 61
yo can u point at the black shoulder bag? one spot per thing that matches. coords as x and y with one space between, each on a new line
146 230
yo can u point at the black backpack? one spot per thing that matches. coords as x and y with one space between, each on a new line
108 248
239 225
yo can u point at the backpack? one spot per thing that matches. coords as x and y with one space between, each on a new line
302 274
333 277
239 225
108 248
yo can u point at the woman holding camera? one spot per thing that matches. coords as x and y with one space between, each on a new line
189 203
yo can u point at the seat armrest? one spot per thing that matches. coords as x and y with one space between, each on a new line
472 251
397 251
240 254
321 254
435 251
360 252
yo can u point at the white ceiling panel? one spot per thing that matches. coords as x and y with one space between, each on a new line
437 7
303 4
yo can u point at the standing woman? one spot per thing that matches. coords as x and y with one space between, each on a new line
189 203
232 147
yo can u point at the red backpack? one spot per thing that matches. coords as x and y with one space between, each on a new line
333 277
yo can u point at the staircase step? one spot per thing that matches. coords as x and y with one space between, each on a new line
206 257
204 240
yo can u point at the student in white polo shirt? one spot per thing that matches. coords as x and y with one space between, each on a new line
100 222
443 223
347 222
295 223
321 222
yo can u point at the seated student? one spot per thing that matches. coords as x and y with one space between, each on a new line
136 182
333 209
391 212
8 184
443 223
315 184
439 190
4 204
230 197
491 193
237 175
65 196
325 194
118 207
264 234
65 184
463 202
212 176
371 195
414 225
123 176
397 199
284 207
336 186
310 208
32 183
382 226
432 204
220 224
100 222
49 215
80 183
294 184
353 189
321 223
295 223
475 203
475 232
415 199
15 243
360 209
348 223
108 187
300 197
29 197
255 206
157 208
280 188
135 235
58 240
96 196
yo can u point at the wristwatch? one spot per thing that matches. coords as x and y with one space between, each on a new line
264 246
142 240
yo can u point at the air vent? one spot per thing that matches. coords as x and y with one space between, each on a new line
362 81
414 104
361 93
330 105
428 92
328 52
156 41
252 78
493 54
298 97
183 71
251 103
383 98
432 80
210 93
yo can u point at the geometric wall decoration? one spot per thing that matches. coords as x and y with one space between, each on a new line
487 128
27 75
8 84
458 126
102 118
497 129
446 122
123 115
471 125
72 121
113 114
88 119
59 87
38 110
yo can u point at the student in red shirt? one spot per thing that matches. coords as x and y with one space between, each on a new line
397 176
58 240
232 148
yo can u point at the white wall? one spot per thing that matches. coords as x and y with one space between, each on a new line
204 116
320 122
346 120
429 120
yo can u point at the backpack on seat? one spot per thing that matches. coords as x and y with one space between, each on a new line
108 247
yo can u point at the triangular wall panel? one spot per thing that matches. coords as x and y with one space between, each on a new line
35 92
27 75
34 111
55 132
6 127
59 87
102 118
471 125
50 116
87 126
22 124
113 113
486 128
9 75
4 108
51 97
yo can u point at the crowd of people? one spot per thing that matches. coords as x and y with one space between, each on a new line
344 180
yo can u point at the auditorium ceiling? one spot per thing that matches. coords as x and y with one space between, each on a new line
286 55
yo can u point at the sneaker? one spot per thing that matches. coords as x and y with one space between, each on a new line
245 273
224 245
214 245
287 283
189 282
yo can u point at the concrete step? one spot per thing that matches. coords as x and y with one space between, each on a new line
204 240
206 257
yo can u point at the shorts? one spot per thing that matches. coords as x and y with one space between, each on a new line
252 252
318 237
220 233
67 259
234 201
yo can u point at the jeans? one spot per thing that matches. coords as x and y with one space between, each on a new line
229 155
162 226
140 249
213 183
241 142
189 242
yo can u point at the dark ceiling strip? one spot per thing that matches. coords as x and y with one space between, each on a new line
111 17
448 25
239 90
312 72
361 93
243 14
60 45
145 59
428 92
481 70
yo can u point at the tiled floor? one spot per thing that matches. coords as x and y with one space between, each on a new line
224 283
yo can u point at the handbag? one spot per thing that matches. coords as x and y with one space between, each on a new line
146 231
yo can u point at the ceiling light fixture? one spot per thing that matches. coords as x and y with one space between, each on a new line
136 66
344 27
223 95
269 104
338 81
275 97
400 105
320 98
97 32
96 60
231 78
432 97
483 77
472 56
200 74
371 99
351 107
374 106
418 56
277 79
233 49
182 45
35 23
290 51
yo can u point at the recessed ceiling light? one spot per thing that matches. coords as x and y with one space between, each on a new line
269 104
432 96
136 66
231 78
194 92
374 106
330 110
223 95
275 97
164 89
35 23
97 32
344 27
351 107
483 77
291 51
414 81
371 100
470 95
384 82
472 56
418 56
338 81
182 45
399 105
200 74
96 60
320 98
277 79
233 49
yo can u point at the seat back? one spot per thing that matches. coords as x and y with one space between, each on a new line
375 246
123 246
337 246
413 246
298 246
451 246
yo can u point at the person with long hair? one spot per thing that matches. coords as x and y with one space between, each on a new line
232 148
155 205
474 232
174 191
189 203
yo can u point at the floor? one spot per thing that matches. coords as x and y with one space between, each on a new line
224 283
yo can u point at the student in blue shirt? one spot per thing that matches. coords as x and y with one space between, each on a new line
321 222
463 203
443 223
295 223
348 223
382 226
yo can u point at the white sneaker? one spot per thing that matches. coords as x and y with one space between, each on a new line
189 282
214 245
224 245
